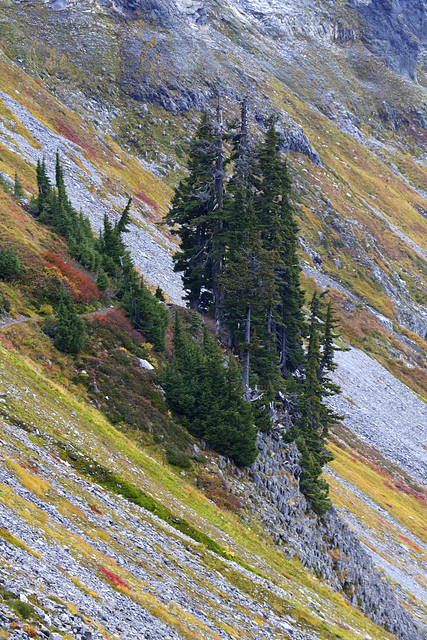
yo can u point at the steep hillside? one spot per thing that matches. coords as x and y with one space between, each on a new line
99 533
140 74
138 548
102 532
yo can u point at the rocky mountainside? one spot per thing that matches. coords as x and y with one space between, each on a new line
345 80
85 553
99 538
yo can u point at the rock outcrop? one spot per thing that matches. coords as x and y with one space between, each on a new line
325 546
395 31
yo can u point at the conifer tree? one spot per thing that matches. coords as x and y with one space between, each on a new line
9 263
194 201
43 185
208 396
54 208
159 294
311 428
111 244
70 337
280 236
18 190
122 225
102 281
248 290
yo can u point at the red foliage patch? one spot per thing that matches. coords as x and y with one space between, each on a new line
115 581
400 486
411 492
79 285
141 196
115 319
377 468
94 509
68 133
410 543
6 343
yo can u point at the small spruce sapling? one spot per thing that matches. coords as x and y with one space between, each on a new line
9 263
18 190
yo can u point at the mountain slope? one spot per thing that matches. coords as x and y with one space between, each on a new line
76 551
354 128
117 88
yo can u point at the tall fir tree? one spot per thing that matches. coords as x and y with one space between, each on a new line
194 201
280 236
311 428
71 334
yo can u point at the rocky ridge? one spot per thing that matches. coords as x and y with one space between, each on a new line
330 548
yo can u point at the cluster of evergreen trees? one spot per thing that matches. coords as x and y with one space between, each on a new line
106 253
238 247
207 393
238 259
53 207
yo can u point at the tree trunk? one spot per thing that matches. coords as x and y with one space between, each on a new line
269 321
282 363
219 193
246 352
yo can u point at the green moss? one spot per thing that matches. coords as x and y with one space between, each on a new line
118 485
23 609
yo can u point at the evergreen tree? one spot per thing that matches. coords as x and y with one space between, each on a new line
111 247
159 294
146 313
70 337
9 263
194 201
102 281
312 427
18 190
280 236
44 188
248 291
208 396
111 244
54 208
122 225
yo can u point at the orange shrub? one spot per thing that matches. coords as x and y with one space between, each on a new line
79 285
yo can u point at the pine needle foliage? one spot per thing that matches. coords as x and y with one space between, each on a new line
70 336
311 425
207 393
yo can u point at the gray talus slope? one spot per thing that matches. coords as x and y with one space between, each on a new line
382 411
